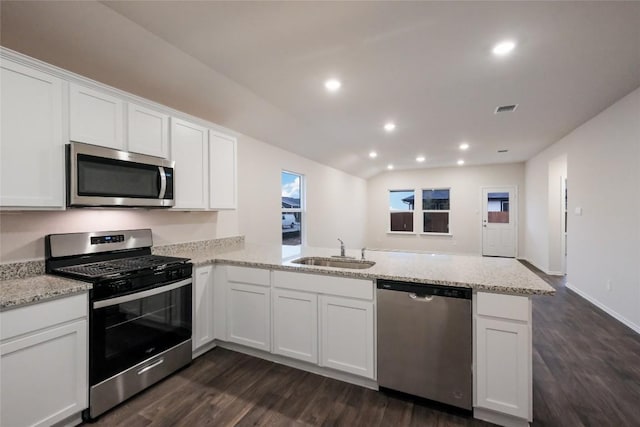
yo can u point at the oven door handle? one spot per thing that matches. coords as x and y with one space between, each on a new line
140 295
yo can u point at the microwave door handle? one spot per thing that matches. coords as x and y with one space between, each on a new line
163 182
140 295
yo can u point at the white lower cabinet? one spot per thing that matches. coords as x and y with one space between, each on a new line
202 306
249 315
43 362
295 324
503 382
347 335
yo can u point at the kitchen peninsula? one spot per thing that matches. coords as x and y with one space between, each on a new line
255 299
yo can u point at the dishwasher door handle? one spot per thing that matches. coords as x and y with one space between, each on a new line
415 297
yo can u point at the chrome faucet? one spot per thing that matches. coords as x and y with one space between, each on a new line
341 247
362 253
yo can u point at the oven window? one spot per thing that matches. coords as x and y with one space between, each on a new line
130 332
102 177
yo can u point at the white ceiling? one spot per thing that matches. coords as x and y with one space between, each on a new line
425 65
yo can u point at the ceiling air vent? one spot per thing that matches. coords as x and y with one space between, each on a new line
506 108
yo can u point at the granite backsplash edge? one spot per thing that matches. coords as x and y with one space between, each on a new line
21 270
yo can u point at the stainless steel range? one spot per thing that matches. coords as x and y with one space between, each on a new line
139 310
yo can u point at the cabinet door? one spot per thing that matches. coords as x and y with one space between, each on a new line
147 131
31 140
502 366
202 306
222 171
347 335
295 325
44 376
95 117
189 149
249 315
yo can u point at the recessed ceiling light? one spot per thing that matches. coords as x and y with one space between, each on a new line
464 146
389 127
390 166
503 48
420 159
460 162
373 154
332 85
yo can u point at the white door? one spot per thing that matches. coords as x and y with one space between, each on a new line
222 171
31 139
202 306
95 117
189 149
499 214
248 315
346 335
148 131
295 324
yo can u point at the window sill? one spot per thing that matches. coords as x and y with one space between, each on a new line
437 234
412 233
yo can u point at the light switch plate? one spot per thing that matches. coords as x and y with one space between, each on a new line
578 211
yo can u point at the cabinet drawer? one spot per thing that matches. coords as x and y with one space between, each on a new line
254 276
33 317
329 285
511 307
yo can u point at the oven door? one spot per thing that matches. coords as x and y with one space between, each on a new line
129 329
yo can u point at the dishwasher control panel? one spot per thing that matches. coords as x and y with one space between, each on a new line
423 289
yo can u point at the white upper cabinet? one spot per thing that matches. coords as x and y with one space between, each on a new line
147 131
222 171
95 117
189 149
31 141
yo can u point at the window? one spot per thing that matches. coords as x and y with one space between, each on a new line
292 185
435 210
401 205
498 208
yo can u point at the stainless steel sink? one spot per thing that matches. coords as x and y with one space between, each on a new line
334 262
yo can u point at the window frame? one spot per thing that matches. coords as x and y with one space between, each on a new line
413 211
423 211
301 210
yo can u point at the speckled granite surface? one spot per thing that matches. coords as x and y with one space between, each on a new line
214 246
18 292
19 270
500 275
25 282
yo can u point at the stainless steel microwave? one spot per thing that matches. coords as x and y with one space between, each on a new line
99 176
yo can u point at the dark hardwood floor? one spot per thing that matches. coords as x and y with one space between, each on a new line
586 372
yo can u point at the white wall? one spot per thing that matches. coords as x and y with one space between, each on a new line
335 201
603 179
466 205
335 205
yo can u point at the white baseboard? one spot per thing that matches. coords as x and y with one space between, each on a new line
498 418
601 306
304 366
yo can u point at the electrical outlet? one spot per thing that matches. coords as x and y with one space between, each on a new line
608 285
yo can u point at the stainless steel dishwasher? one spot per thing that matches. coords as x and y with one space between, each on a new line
425 341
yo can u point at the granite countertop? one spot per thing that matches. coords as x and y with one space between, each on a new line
27 290
22 284
499 275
